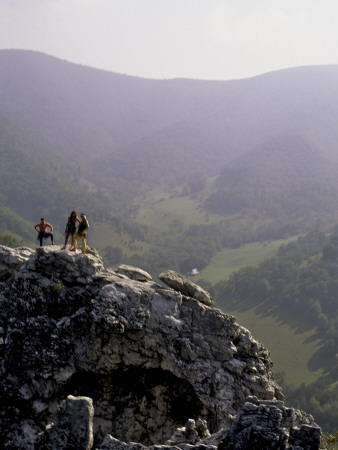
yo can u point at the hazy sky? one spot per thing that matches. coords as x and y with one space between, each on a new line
205 39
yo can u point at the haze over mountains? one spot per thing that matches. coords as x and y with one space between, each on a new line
172 172
108 136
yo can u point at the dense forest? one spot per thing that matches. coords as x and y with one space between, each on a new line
184 248
285 177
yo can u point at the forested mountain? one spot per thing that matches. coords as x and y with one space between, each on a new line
76 135
79 111
34 182
288 176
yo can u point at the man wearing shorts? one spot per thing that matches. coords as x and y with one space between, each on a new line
41 228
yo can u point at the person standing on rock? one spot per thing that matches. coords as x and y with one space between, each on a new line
71 228
41 228
82 233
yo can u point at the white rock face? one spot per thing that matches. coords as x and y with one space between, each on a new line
148 358
11 259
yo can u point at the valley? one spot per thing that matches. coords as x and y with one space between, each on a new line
238 179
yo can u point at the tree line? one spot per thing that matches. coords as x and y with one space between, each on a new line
299 285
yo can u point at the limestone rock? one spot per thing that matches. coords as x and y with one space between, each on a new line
110 443
191 433
73 427
150 359
185 286
266 425
71 267
11 260
134 273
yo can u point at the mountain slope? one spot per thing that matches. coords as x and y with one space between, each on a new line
34 182
111 136
291 102
76 110
287 177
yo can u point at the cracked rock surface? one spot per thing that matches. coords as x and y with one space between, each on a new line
99 358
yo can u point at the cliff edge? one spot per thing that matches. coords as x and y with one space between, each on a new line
97 358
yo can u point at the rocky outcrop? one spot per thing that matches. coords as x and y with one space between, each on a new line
99 358
11 260
267 425
185 286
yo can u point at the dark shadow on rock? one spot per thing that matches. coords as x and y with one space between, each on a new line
143 405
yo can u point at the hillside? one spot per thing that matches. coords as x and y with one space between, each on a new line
297 288
288 176
113 136
125 122
97 140
35 182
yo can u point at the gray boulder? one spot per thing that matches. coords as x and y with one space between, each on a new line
186 287
267 425
11 260
134 273
73 426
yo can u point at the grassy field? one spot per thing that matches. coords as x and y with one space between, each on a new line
164 211
103 234
229 260
291 352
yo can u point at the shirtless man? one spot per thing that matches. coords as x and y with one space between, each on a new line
41 228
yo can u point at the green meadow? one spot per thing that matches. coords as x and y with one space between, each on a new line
164 210
103 234
291 351
229 260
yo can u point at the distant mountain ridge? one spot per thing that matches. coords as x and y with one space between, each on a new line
121 134
80 110
36 89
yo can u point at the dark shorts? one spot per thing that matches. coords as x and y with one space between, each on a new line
70 229
44 235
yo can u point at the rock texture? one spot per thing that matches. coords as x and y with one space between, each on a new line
185 286
100 358
73 427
